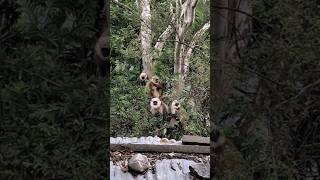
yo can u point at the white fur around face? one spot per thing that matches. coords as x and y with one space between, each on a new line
155 106
143 75
174 108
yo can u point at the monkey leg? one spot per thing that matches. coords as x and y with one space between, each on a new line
153 111
161 110
172 122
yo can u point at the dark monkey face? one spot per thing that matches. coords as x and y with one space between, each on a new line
143 78
155 103
176 104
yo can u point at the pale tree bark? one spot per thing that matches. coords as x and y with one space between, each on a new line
185 12
191 47
228 26
163 37
145 35
239 28
231 29
166 34
217 93
182 18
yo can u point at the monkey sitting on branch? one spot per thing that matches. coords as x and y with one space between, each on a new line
158 107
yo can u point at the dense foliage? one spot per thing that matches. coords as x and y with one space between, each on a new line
130 110
53 114
53 123
273 115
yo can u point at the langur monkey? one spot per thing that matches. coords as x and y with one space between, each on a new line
175 107
154 87
157 106
177 113
144 77
154 81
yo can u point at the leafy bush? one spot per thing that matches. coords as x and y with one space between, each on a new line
130 113
53 118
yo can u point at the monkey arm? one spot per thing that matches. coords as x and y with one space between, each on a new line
159 86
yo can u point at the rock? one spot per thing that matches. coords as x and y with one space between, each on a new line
164 141
171 154
200 170
139 163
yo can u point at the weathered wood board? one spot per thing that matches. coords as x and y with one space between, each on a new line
192 149
195 140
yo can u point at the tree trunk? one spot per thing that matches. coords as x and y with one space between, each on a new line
190 49
239 29
145 35
167 33
217 56
184 17
228 26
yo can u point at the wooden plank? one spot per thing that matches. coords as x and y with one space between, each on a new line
192 149
195 140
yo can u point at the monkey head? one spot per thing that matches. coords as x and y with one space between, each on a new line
155 103
157 106
154 86
175 106
155 79
143 76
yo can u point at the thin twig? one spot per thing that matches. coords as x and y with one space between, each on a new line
254 72
37 75
188 45
123 6
242 12
303 90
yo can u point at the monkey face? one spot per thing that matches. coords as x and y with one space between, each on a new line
143 76
176 104
155 79
155 103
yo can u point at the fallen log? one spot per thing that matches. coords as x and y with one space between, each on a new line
195 140
189 149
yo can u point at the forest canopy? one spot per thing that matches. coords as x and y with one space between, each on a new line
130 109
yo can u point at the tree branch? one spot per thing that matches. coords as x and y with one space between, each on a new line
242 12
303 90
145 34
195 39
123 6
166 34
34 74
